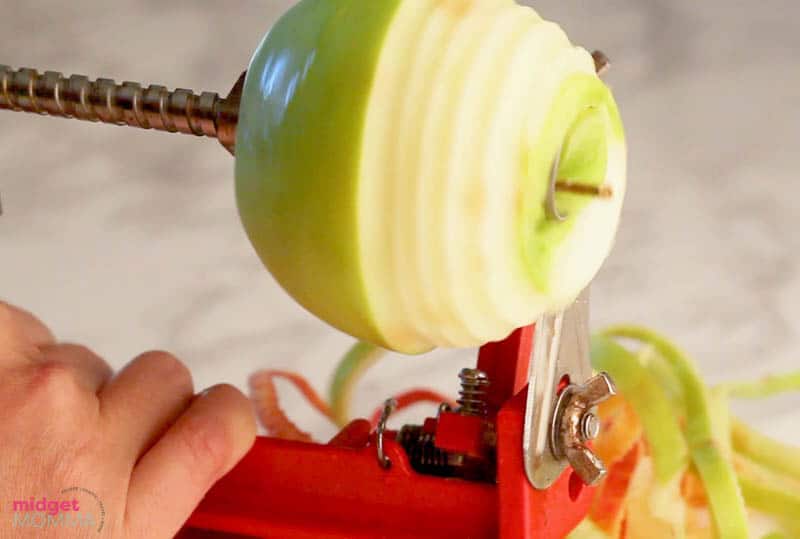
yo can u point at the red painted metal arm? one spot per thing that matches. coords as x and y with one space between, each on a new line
299 490
294 490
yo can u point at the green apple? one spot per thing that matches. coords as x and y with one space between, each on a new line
393 158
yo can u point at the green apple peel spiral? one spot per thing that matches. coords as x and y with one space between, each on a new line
393 159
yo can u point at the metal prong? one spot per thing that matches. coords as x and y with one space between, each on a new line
599 191
555 185
601 62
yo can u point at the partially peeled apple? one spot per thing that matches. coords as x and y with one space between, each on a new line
394 156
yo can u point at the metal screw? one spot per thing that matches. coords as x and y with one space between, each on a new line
473 391
102 100
574 424
590 426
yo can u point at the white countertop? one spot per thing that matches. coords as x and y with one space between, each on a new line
127 240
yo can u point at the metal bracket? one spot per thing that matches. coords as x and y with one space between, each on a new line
560 360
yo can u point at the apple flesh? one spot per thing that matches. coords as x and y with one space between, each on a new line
393 157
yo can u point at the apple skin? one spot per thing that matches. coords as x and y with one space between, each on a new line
298 147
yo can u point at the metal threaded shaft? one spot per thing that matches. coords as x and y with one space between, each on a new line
102 100
473 391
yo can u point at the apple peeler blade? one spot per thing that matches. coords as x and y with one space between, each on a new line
562 394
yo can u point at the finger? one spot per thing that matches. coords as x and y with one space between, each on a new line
21 334
92 372
144 399
202 446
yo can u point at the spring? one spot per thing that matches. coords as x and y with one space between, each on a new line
423 454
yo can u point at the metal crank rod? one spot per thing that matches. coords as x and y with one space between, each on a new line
103 100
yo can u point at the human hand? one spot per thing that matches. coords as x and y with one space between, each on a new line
82 451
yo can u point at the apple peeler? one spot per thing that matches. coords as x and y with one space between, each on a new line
513 460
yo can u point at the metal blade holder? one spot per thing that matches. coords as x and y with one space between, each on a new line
559 418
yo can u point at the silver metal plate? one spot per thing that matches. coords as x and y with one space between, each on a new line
560 348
